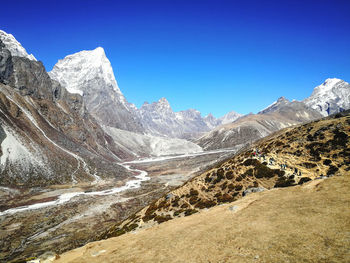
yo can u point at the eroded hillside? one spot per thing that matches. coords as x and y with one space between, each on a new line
290 157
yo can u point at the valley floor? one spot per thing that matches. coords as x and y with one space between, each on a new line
89 209
308 223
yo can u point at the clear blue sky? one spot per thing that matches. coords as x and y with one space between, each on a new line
214 56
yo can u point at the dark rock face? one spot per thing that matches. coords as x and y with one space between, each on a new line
6 66
30 78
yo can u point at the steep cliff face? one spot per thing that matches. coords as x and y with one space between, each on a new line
90 74
47 134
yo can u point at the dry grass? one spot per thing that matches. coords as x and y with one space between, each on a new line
308 223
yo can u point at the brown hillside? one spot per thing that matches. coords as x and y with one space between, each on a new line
306 223
315 150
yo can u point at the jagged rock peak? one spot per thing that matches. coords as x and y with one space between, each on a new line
275 105
282 99
163 101
76 70
14 46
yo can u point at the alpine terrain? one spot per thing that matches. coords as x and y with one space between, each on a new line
79 164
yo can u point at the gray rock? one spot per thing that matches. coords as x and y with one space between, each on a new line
169 196
233 208
253 190
6 66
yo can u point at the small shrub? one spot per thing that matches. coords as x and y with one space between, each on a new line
249 172
304 180
148 217
332 170
279 172
263 171
283 182
184 205
205 204
178 212
239 178
229 175
217 194
238 187
225 198
224 186
193 200
193 192
160 219
189 212
327 162
250 162
231 187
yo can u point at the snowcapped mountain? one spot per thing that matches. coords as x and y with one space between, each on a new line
89 74
330 97
47 135
159 119
14 46
229 117
280 114
211 121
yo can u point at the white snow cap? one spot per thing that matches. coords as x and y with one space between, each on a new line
84 66
14 46
331 96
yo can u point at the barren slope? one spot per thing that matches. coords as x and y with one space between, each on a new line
317 149
308 223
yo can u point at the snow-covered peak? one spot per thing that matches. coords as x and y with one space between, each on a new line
230 117
326 86
331 96
163 102
14 46
75 72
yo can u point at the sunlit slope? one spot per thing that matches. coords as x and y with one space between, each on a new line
308 223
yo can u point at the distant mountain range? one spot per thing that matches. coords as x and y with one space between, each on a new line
90 74
331 97
74 124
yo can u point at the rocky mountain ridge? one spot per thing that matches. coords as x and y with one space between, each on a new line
331 97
